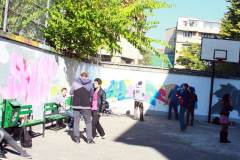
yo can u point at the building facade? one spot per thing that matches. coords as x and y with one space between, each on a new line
129 54
187 31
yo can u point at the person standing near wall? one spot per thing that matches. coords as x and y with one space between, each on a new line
138 96
173 102
82 90
192 105
98 106
184 97
224 118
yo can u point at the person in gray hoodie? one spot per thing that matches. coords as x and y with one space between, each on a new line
82 90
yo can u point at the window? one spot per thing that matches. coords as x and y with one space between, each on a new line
208 35
185 23
192 23
106 58
187 34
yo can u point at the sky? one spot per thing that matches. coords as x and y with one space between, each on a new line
203 9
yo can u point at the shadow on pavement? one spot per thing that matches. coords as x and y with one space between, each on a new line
154 132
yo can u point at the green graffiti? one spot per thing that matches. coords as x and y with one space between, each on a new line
112 89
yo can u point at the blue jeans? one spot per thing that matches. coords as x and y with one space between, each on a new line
182 118
173 106
69 113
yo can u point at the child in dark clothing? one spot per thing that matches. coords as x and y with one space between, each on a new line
192 103
224 116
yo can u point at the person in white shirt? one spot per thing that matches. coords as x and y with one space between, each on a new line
65 109
138 96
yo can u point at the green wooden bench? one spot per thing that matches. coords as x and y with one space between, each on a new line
10 113
51 114
14 114
26 113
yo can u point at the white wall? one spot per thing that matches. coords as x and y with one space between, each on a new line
34 76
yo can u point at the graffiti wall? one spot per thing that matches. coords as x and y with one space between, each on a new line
35 76
156 86
232 87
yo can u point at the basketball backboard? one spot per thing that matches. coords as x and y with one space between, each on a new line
220 49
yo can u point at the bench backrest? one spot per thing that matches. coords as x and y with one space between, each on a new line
11 109
25 110
69 101
50 107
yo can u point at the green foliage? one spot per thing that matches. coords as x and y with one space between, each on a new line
230 29
80 28
190 58
18 17
230 26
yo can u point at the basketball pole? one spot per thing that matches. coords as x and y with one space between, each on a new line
211 92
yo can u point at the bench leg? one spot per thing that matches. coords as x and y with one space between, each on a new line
43 134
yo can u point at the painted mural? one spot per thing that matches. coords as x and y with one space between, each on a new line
24 75
34 77
235 94
123 89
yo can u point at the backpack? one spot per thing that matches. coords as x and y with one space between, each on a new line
25 138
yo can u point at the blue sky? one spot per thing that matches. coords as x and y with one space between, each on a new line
202 9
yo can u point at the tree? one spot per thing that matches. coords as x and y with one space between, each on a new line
190 58
18 21
230 26
80 28
230 29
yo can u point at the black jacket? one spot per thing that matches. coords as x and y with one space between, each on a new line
226 109
82 93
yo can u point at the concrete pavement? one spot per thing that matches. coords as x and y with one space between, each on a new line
127 139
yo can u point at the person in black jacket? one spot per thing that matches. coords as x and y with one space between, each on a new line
224 116
184 97
98 105
192 105
81 90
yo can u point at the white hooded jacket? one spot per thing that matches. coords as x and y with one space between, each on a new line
138 93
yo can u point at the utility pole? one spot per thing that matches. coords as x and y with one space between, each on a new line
46 24
5 20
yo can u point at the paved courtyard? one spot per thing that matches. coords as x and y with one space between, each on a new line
127 139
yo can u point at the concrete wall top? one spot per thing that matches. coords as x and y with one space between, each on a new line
166 70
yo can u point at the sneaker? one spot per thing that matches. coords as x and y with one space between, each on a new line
227 141
2 156
77 141
25 155
97 135
67 128
91 141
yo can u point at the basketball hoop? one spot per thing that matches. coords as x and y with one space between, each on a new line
220 50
